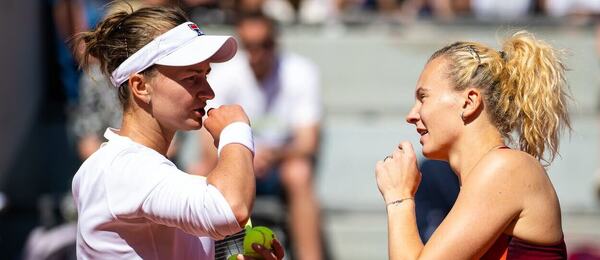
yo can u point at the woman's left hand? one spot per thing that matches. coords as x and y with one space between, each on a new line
398 175
276 253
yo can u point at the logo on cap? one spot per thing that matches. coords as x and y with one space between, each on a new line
196 29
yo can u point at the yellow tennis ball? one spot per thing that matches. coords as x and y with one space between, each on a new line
259 235
251 238
267 234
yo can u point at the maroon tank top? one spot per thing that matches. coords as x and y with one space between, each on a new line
509 248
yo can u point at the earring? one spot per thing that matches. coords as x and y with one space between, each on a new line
462 116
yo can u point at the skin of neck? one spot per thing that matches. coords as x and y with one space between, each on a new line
476 140
264 68
139 125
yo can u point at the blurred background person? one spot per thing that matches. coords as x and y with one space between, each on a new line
412 9
280 91
490 10
45 159
96 110
573 8
435 197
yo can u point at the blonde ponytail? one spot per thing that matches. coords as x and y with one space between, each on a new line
533 94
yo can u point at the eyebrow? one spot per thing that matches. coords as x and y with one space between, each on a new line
199 70
420 90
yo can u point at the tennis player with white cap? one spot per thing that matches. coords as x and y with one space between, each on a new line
134 203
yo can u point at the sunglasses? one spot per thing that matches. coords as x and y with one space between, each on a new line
267 44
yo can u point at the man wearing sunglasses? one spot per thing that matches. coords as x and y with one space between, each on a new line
280 92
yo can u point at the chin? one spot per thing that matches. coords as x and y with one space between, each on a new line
426 154
196 126
192 125
432 154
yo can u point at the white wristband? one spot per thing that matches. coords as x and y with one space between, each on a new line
236 133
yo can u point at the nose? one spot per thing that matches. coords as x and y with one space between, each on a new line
206 92
413 115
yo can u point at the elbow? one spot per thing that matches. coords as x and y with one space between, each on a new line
242 213
240 203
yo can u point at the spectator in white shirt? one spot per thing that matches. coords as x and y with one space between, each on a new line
280 91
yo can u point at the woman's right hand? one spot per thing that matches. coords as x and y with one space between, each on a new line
219 118
398 175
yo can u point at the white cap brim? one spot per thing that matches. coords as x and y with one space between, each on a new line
212 48
183 45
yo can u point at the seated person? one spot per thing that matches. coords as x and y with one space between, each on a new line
280 93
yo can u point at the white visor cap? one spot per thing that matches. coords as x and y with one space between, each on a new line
183 45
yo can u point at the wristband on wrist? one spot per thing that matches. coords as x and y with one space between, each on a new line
236 133
397 202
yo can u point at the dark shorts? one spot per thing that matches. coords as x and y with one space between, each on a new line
270 184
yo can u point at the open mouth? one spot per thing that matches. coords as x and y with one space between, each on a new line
422 132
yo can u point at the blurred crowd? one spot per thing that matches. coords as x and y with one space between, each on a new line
73 113
334 11
402 11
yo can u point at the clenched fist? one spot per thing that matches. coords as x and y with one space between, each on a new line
219 118
398 175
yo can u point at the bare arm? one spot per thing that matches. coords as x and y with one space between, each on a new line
489 201
234 173
70 18
397 179
234 178
402 230
486 205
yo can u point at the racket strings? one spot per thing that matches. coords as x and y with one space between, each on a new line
230 245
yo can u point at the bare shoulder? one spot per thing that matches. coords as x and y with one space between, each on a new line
517 183
506 161
508 169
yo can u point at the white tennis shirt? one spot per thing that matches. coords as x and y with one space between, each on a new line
134 203
296 104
